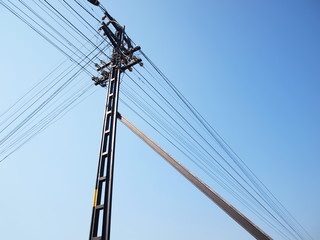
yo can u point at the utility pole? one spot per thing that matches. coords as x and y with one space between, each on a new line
122 58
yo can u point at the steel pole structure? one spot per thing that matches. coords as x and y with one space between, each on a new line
122 58
101 213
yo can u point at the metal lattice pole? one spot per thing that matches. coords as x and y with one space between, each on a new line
122 58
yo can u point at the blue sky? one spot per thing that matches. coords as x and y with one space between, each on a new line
250 67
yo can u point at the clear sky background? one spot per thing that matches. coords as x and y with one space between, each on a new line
252 68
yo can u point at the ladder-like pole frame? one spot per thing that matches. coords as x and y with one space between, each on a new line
101 212
122 58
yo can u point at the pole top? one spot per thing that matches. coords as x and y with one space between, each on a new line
94 2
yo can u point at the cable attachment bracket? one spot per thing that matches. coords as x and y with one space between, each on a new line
123 55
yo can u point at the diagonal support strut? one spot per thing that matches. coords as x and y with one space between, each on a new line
242 220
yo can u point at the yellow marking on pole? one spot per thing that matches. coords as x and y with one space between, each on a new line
95 195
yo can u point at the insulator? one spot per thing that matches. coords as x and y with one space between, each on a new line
102 62
141 64
130 69
137 48
96 65
104 73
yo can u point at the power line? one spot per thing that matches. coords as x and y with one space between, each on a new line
236 173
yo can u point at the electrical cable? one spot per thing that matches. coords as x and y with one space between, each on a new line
175 90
